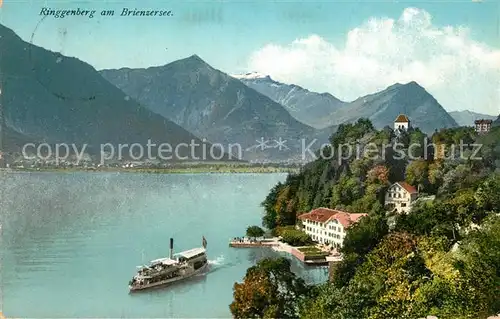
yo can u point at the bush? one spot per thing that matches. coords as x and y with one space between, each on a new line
309 249
278 231
295 237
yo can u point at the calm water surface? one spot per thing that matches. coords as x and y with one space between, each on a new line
71 241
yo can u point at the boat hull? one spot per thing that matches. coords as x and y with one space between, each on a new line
166 282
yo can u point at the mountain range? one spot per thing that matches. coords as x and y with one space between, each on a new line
306 106
218 107
323 109
246 108
60 99
48 97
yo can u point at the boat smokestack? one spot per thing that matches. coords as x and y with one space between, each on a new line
171 248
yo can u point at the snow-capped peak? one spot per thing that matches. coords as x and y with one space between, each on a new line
250 76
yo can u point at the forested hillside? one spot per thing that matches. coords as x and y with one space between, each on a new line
442 259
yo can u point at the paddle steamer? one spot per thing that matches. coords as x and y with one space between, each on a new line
176 267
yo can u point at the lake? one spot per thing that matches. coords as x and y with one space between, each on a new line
71 241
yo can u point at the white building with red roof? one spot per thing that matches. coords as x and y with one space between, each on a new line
400 197
328 226
402 123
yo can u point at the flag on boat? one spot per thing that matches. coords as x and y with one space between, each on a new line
204 242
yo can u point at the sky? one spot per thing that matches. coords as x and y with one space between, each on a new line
346 48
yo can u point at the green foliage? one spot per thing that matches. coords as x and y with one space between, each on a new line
269 290
417 173
312 252
330 302
280 205
383 137
408 276
458 210
417 144
458 178
490 149
412 271
356 185
295 237
360 167
487 195
278 231
255 231
478 260
436 171
396 162
363 236
360 239
350 133
269 219
454 136
346 191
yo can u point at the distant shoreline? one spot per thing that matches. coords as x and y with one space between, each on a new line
169 170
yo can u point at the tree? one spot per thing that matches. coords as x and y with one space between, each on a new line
490 150
390 274
412 271
255 231
254 296
465 206
350 133
269 290
417 173
460 177
361 238
378 174
417 141
436 174
360 167
430 218
328 301
270 214
478 260
488 194
346 191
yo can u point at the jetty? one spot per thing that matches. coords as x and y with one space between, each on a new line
308 255
245 242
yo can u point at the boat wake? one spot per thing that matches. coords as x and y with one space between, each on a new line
217 264
219 261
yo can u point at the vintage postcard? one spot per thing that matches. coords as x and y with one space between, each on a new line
249 159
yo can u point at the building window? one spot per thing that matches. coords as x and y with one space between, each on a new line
403 204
